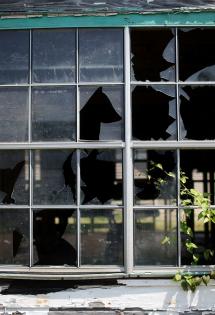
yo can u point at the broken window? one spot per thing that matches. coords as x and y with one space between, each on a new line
154 113
93 139
196 54
101 113
152 183
152 55
197 112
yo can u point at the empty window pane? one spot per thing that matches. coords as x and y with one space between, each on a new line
14 57
101 237
154 177
54 56
55 237
54 177
14 177
101 113
152 55
54 114
196 54
197 112
199 167
101 176
14 236
203 237
154 113
101 55
155 237
14 114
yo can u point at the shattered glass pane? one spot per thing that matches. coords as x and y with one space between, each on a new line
14 57
53 56
154 177
155 237
196 54
101 114
54 177
154 113
14 177
101 176
14 236
197 112
101 55
14 114
101 237
152 55
54 233
53 114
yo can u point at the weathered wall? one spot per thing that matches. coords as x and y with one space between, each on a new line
153 297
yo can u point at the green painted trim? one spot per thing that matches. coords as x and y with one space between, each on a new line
118 20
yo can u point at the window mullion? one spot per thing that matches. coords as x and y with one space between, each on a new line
127 165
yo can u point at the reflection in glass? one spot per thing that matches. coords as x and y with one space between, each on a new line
101 113
14 57
152 55
197 112
54 177
14 114
196 54
199 167
151 228
53 114
55 237
155 177
101 55
14 177
14 236
203 237
101 237
154 113
53 56
101 175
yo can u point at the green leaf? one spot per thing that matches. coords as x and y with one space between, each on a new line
177 277
208 253
166 240
190 246
195 258
184 285
206 279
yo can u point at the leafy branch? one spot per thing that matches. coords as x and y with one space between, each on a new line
191 197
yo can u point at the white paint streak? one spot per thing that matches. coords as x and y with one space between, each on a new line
163 295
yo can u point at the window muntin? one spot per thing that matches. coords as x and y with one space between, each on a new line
49 197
